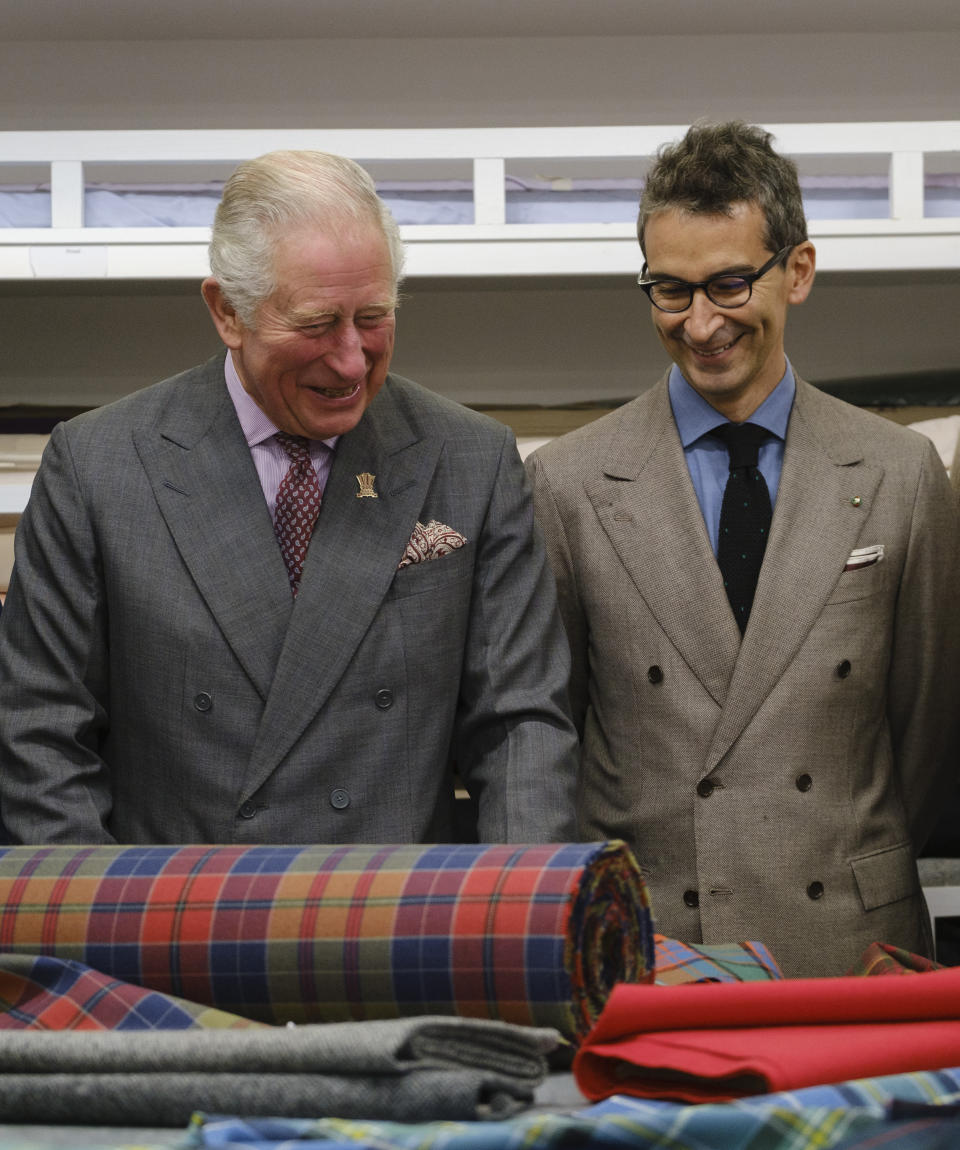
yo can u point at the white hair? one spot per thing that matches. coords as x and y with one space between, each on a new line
265 196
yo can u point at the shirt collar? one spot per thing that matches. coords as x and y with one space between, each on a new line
695 417
255 423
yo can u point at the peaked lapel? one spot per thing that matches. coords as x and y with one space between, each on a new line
815 526
646 503
353 557
208 491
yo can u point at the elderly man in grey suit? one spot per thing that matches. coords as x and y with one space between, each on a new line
178 665
774 746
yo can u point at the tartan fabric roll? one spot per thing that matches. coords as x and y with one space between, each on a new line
535 935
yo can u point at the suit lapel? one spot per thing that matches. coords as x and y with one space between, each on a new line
353 557
816 524
646 503
209 494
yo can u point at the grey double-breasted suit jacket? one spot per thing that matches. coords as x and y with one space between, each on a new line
775 789
158 683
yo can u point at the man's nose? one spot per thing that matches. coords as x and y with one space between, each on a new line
703 317
346 357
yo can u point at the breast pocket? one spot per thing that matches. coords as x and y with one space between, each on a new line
861 582
433 575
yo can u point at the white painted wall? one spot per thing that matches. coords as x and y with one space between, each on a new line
523 342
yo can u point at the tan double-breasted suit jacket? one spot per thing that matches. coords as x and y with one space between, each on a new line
775 788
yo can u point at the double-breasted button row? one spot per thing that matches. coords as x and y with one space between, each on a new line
339 800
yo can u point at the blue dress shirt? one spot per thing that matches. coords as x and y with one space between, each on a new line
707 458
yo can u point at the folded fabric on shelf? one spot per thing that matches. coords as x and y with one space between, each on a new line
713 1043
406 1069
535 935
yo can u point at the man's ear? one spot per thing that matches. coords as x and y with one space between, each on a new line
225 318
801 268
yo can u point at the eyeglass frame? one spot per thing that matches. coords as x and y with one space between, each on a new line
749 278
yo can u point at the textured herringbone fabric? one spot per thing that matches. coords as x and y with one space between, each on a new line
407 1068
298 505
744 517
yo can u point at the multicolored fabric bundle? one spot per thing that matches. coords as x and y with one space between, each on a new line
536 935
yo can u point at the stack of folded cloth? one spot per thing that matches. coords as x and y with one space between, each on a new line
714 1043
403 1069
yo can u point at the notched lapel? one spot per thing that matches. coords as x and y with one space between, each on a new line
648 508
208 492
817 522
354 552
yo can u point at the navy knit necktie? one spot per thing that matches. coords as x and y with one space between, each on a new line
744 517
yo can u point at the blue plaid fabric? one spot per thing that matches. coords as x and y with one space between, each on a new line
842 1117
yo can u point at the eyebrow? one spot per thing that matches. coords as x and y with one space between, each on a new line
308 316
735 270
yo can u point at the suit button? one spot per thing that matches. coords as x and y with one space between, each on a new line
203 701
843 669
804 782
248 810
815 890
339 799
384 699
655 674
691 898
705 788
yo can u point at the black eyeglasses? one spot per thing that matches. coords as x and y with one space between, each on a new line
723 290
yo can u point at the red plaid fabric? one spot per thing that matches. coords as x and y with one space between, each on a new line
882 958
61 994
298 505
529 934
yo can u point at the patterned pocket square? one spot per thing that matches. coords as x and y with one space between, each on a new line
430 541
864 557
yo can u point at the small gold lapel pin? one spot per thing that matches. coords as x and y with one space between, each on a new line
365 479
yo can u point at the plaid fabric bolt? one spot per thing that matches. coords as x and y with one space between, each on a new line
536 935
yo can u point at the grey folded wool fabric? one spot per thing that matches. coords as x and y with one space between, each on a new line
415 1069
161 1098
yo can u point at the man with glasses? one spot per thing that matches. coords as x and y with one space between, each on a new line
761 589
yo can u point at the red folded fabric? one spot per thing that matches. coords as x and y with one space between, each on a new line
712 1042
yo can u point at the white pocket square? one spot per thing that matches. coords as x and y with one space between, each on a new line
430 541
864 557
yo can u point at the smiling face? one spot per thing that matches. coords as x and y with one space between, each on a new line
733 357
321 345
